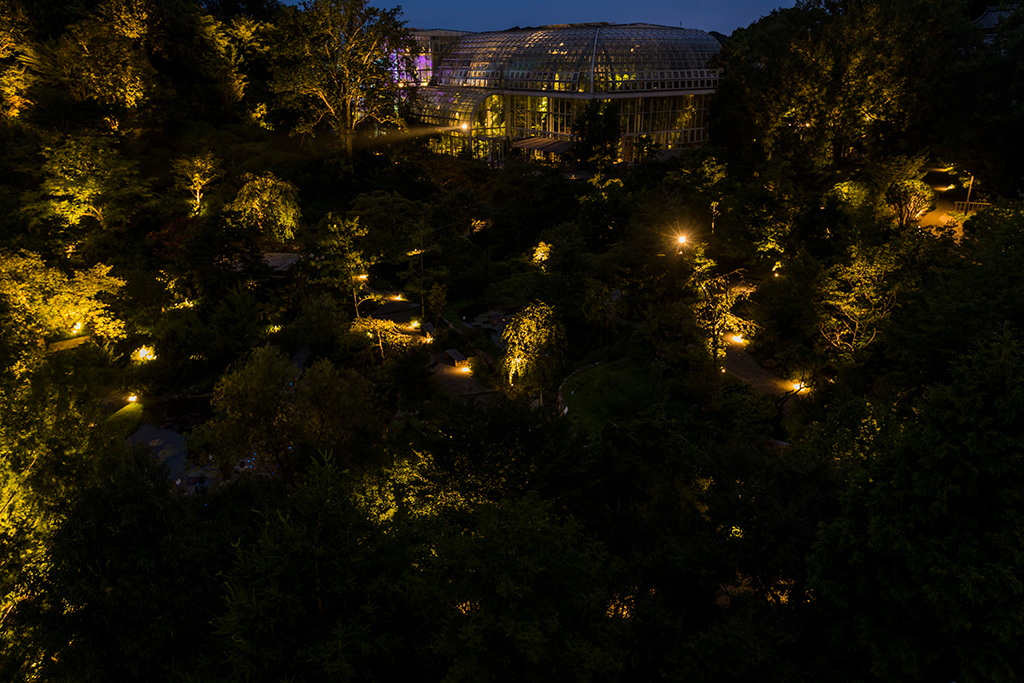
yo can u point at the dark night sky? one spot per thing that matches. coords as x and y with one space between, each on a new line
479 15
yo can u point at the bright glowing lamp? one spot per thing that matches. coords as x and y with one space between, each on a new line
737 338
682 239
464 126
133 398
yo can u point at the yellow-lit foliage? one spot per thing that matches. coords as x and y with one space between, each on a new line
39 300
386 335
621 607
467 606
128 18
98 60
85 177
541 254
533 339
225 68
45 452
406 489
15 78
194 172
269 204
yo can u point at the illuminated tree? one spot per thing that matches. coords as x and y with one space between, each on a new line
909 200
534 340
857 298
902 194
341 260
40 301
269 204
715 299
342 64
384 334
101 60
15 78
194 172
223 67
86 179
46 454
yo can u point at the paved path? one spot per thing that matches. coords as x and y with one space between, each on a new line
742 365
454 380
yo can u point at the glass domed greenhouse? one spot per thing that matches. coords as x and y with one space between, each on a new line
525 87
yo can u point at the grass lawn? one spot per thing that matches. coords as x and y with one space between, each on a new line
609 392
451 313
127 419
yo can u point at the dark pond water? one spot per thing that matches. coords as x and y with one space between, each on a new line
165 426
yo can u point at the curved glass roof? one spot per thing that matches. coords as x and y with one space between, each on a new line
449 106
582 58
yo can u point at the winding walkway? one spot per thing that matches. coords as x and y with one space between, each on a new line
742 365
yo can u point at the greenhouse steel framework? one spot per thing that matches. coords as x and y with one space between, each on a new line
485 92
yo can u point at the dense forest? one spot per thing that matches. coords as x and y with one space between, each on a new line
357 519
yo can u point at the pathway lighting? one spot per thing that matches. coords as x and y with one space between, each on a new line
737 338
133 398
465 368
143 354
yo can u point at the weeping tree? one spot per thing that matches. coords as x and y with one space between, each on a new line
270 205
535 340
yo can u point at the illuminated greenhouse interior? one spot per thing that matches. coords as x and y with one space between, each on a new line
526 87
